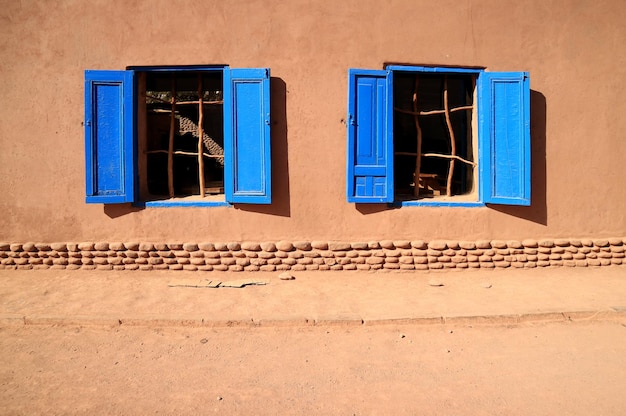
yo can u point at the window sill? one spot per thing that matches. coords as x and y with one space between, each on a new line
189 202
452 204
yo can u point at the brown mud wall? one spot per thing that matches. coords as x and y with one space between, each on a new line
572 49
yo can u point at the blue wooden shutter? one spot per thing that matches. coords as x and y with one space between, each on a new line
504 137
247 168
109 137
370 136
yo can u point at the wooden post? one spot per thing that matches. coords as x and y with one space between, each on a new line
418 157
452 139
170 149
200 137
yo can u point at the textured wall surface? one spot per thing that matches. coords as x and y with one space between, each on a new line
572 49
315 255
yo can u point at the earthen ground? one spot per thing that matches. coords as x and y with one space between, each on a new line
538 369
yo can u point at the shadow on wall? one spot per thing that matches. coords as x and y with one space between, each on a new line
280 162
537 211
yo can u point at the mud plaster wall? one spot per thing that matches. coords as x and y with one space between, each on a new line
572 49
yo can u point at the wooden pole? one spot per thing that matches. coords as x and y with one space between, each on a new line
170 148
452 139
200 136
418 156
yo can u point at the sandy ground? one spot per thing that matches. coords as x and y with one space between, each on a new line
531 369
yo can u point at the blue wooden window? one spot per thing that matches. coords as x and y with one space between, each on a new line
370 145
109 137
111 144
247 174
504 137
503 107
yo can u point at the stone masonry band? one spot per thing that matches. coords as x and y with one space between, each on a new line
314 255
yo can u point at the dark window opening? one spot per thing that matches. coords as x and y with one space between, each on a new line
434 151
181 132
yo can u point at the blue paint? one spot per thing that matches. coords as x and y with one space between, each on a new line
247 170
173 203
434 69
370 140
504 138
434 203
110 160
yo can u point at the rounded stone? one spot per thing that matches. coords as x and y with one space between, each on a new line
206 246
514 244
402 244
233 246
29 247
220 247
375 260
132 245
145 247
101 246
63 246
251 246
388 244
117 246
498 244
437 245
419 244
483 244
319 245
601 243
359 246
453 244
268 247
467 245
373 245
615 241
302 245
529 243
339 246
190 247
284 245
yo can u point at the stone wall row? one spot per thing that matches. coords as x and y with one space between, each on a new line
314 255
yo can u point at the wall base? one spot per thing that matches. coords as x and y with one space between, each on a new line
314 255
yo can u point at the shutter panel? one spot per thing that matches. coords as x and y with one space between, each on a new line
504 137
109 137
247 168
370 136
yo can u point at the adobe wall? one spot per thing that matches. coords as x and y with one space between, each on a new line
572 49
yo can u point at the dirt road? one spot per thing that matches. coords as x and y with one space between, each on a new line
540 369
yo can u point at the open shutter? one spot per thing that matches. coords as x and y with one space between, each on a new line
504 137
109 137
370 136
247 168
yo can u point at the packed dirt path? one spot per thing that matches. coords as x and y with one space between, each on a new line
575 368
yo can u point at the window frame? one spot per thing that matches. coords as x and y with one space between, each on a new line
495 186
241 115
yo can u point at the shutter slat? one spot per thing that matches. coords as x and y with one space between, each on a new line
370 140
109 137
247 146
504 138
